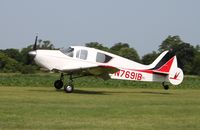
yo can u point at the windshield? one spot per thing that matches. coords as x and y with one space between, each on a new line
68 52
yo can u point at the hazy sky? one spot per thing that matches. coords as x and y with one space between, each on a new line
144 24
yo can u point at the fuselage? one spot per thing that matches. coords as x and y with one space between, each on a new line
79 58
83 57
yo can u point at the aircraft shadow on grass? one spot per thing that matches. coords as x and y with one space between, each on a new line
78 91
93 92
162 93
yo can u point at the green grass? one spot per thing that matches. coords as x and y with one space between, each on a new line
43 108
30 102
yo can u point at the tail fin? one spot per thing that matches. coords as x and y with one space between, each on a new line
158 59
164 63
165 68
169 67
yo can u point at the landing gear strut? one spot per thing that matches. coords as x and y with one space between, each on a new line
166 87
68 87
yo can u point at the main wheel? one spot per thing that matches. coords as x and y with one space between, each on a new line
58 84
69 88
166 87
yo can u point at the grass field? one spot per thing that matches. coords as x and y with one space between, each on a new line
30 102
43 108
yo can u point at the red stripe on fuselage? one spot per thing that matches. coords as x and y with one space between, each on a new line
145 71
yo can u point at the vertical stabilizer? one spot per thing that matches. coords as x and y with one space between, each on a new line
158 59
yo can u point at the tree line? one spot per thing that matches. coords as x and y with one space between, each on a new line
188 56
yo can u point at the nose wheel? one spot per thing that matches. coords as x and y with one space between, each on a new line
69 88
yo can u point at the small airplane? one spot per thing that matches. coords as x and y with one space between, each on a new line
79 61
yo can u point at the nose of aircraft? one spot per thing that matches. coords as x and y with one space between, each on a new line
32 53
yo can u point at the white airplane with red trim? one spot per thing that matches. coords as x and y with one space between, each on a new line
79 61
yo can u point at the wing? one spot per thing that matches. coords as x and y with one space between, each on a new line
101 71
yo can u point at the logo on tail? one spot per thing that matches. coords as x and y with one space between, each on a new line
175 76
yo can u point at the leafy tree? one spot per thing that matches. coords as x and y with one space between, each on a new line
8 64
196 62
129 53
149 58
39 41
170 43
26 59
13 53
123 49
46 45
96 45
3 60
185 54
115 48
197 48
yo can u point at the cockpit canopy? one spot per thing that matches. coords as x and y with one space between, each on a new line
69 51
85 53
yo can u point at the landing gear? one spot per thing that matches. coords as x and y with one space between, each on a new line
58 84
69 87
166 87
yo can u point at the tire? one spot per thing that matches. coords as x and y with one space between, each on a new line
166 87
69 88
58 84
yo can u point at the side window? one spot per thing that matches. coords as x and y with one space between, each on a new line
77 54
102 58
82 54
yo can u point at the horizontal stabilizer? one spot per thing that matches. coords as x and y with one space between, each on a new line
160 72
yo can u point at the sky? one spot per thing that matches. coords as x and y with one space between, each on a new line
144 24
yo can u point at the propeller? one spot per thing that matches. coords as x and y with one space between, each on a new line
35 44
33 52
